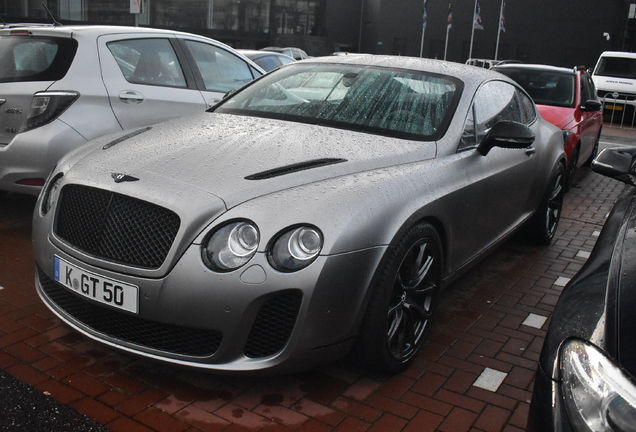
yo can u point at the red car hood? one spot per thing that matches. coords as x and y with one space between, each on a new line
559 116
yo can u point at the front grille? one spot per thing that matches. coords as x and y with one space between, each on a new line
273 325
115 227
168 338
615 96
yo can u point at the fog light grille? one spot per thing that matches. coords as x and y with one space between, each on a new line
273 325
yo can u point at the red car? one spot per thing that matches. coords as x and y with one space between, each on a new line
566 98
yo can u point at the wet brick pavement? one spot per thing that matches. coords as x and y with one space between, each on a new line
476 374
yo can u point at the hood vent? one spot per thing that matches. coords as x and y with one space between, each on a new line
125 137
288 169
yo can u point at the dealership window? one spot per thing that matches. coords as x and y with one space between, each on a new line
302 17
297 16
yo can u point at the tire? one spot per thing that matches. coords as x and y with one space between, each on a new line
544 223
589 160
572 167
403 302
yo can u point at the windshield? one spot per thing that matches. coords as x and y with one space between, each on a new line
28 58
406 104
544 87
618 67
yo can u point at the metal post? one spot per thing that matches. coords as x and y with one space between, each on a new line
472 34
446 43
361 23
499 29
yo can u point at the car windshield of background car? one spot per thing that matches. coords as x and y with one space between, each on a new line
545 87
618 67
27 58
404 104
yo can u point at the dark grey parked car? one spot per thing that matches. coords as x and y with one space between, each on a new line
586 379
318 209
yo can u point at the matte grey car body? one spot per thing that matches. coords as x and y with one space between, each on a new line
311 212
62 86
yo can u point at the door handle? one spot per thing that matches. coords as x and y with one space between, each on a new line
131 97
530 151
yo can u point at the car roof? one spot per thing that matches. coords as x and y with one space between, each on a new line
92 30
547 68
466 73
618 54
257 53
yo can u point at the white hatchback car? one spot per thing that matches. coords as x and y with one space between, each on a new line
61 86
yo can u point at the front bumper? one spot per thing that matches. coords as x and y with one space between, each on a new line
252 319
547 409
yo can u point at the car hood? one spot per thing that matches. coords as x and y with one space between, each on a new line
238 158
559 116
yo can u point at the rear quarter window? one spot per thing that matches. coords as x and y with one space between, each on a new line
32 58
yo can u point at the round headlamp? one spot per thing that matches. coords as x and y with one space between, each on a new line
295 248
51 193
231 246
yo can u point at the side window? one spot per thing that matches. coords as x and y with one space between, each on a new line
148 61
495 101
528 111
221 70
590 91
268 62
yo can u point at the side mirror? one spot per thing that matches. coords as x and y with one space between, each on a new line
592 105
617 163
506 134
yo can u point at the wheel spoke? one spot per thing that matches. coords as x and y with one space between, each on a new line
396 317
422 310
420 267
556 191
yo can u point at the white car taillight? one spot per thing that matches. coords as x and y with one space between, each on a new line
47 106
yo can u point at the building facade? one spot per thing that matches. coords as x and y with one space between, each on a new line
562 32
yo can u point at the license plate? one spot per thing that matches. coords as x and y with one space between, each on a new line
104 290
614 107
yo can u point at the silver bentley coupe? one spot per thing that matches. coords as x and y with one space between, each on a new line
317 211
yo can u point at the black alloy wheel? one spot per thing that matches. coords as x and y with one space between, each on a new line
403 303
545 222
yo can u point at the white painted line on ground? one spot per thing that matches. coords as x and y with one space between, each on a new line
534 320
596 233
562 281
490 379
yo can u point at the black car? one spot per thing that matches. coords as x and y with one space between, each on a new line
586 375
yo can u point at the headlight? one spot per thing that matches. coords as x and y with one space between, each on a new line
51 193
230 246
295 249
598 395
